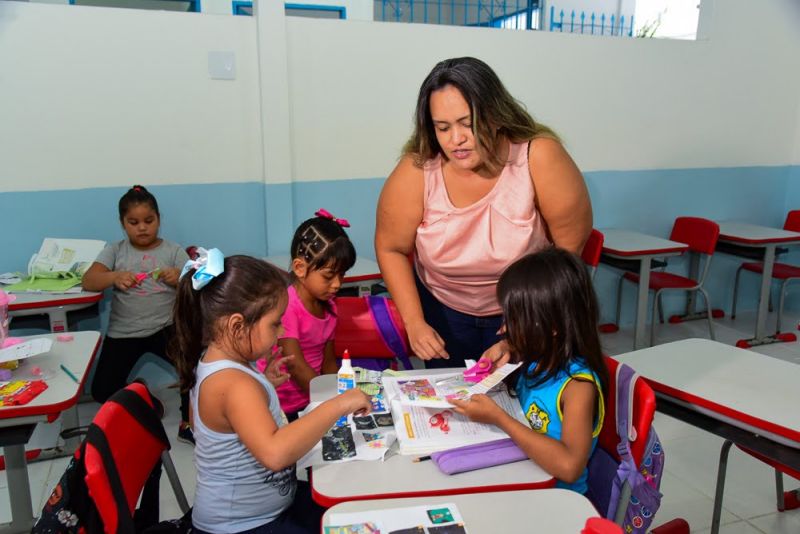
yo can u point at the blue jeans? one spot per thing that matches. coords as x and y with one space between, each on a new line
464 335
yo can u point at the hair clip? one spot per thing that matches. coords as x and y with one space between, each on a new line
208 265
328 215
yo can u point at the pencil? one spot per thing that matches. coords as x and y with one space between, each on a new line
70 374
421 459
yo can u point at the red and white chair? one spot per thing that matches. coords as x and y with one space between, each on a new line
592 250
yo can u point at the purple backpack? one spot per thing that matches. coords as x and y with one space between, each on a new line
624 492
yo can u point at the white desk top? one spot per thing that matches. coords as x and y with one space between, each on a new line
741 387
62 392
398 476
630 244
38 300
364 269
753 234
554 510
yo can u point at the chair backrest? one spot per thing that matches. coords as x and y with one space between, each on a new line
357 332
644 407
593 248
700 234
792 223
135 450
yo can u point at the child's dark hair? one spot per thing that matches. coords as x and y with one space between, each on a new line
551 314
322 243
137 195
249 286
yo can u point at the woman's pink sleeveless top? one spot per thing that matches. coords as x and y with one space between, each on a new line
461 252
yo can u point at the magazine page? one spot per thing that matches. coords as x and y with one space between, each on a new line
444 518
422 430
430 391
70 255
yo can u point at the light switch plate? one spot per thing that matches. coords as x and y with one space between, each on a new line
222 65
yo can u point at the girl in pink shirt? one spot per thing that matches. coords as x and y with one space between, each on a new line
321 254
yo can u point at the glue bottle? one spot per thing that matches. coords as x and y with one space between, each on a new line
345 379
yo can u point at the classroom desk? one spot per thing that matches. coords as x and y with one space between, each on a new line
767 239
17 422
627 245
744 397
398 476
550 510
364 274
55 306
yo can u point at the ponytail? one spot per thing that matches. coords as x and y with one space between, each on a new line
186 347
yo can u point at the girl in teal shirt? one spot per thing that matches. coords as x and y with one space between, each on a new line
550 325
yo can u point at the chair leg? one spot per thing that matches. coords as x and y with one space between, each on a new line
720 490
779 491
780 306
708 312
735 291
660 311
656 306
619 299
174 481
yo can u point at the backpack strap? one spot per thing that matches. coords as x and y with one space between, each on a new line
379 310
143 412
626 382
97 439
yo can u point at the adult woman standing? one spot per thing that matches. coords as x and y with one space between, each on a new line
480 184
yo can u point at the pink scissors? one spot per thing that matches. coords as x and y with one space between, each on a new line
479 371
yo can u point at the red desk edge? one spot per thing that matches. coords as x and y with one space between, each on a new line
651 252
327 502
78 299
765 241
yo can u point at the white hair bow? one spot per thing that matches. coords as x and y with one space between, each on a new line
208 265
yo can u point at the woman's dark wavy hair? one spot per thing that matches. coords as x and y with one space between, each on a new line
494 111
137 194
248 286
551 314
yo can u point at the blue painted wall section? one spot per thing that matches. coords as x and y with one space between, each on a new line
257 219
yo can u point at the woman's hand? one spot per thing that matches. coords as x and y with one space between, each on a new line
355 401
425 342
498 354
478 408
274 372
124 280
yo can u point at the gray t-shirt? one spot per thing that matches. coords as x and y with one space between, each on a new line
146 308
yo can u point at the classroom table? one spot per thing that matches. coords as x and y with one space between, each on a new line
767 239
745 397
548 510
54 305
17 422
399 476
364 274
627 245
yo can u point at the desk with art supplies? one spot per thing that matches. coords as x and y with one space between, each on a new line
745 397
364 274
406 469
549 510
62 368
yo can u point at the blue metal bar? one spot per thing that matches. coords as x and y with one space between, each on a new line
572 22
612 25
621 24
425 11
593 22
583 19
602 23
630 31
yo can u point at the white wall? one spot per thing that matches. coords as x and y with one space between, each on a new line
620 104
102 96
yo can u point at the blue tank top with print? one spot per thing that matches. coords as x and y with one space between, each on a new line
542 407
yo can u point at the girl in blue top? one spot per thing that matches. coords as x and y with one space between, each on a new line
550 324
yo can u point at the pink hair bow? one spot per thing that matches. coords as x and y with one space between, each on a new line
328 215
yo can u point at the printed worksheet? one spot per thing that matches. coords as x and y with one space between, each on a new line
58 255
442 518
26 349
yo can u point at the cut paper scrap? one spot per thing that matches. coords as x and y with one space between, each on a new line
485 385
26 349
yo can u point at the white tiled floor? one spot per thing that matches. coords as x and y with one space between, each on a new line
691 454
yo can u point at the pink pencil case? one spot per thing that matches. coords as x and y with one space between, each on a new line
479 456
